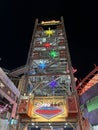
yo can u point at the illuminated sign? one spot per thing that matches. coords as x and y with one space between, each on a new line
52 22
47 109
52 109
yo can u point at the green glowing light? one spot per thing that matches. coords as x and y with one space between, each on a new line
53 54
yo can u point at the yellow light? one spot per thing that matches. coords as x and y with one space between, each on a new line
52 22
49 32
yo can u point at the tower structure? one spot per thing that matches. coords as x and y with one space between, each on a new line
50 98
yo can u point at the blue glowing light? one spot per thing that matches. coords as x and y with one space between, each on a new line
42 65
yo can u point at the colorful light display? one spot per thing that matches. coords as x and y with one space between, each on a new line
46 109
49 32
47 45
53 84
42 65
52 22
53 54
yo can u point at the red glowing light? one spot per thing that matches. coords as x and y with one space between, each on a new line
47 45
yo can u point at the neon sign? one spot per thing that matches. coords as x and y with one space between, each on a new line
52 22
48 110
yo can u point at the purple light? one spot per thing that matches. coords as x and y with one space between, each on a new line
53 84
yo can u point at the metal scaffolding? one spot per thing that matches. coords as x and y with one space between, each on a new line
48 72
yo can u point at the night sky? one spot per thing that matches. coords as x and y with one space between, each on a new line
17 19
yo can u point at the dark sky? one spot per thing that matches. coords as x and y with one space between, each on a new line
17 19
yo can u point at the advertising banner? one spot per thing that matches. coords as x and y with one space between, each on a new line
49 109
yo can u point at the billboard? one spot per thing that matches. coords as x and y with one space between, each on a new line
51 109
48 109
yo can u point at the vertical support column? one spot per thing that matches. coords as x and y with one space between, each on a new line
14 110
73 81
29 55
